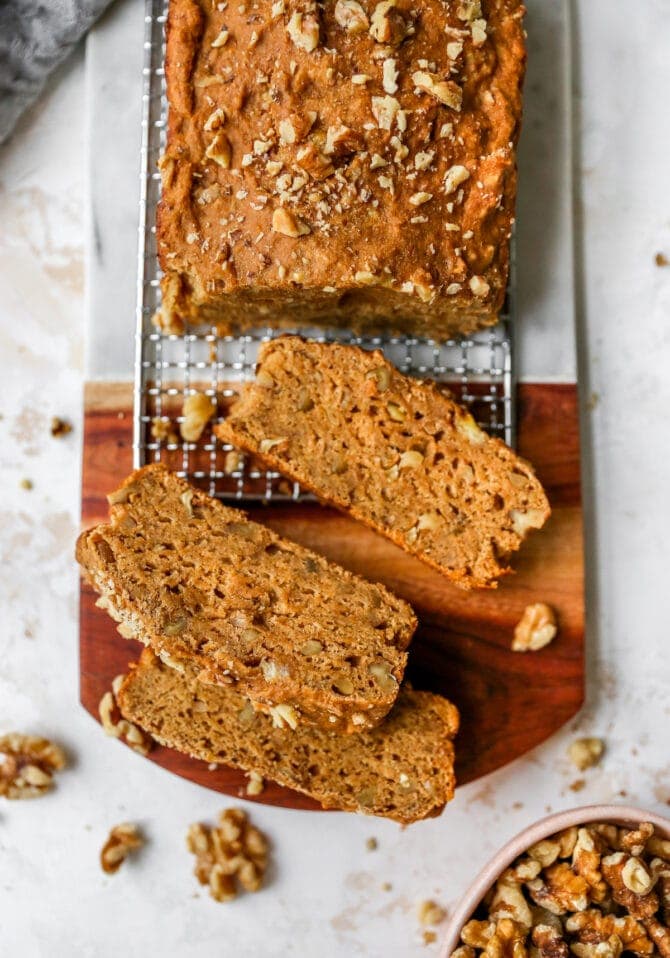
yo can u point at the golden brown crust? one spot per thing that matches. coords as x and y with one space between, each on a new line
208 589
395 453
316 172
402 770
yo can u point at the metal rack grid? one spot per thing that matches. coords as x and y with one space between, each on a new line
478 369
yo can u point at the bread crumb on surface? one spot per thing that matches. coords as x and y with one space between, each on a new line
372 844
430 913
662 260
60 427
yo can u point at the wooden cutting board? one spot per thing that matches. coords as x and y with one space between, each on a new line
509 702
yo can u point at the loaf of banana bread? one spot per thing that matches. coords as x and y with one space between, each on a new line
211 591
349 163
396 453
403 769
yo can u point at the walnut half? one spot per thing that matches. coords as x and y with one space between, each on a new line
27 765
121 841
230 855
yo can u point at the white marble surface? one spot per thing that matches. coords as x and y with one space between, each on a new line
325 895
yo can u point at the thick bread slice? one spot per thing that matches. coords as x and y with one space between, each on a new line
403 769
208 589
396 453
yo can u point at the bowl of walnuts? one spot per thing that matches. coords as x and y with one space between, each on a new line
591 882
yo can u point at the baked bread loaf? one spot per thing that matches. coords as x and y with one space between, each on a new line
343 163
403 769
396 453
210 590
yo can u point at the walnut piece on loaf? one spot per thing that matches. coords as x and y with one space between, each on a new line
345 162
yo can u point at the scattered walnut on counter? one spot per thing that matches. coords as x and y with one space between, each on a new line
430 913
586 752
121 841
598 891
536 628
27 765
232 854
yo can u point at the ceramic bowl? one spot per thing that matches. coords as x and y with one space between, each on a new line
618 814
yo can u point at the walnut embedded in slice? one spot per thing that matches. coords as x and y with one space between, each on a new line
231 855
27 765
117 726
121 841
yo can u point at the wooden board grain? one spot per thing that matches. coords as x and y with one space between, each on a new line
509 702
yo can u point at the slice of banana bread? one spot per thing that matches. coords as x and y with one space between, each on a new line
403 769
396 453
207 588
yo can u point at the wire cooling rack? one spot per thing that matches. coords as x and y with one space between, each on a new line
478 369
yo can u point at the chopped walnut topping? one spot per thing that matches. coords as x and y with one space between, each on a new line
600 905
350 15
231 855
287 223
384 110
446 91
221 40
197 410
390 76
536 628
478 32
121 841
387 24
220 151
479 286
303 29
418 199
27 765
453 178
586 752
314 162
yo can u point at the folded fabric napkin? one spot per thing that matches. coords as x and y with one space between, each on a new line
35 37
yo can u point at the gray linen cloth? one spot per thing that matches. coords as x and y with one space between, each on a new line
35 37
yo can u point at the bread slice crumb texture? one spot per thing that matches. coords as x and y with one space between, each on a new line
394 452
403 769
207 589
